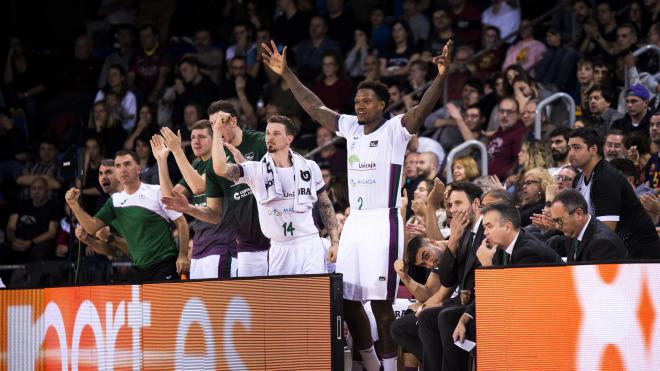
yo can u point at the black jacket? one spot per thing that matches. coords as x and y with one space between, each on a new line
527 250
599 243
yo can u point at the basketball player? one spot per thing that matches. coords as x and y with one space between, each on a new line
286 186
376 149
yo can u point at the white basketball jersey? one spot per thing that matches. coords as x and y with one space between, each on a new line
278 220
375 162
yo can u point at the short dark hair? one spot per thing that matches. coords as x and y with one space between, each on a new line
475 83
149 26
289 125
639 140
564 131
189 60
48 140
625 167
222 106
631 26
605 92
614 132
378 87
203 124
507 212
108 162
128 152
470 189
572 200
118 67
590 136
413 247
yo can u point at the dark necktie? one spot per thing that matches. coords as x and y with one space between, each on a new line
576 249
505 258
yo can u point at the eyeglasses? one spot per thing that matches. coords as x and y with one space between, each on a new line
529 182
563 178
560 220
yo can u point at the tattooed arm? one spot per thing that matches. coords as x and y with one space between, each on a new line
308 100
414 118
218 157
329 219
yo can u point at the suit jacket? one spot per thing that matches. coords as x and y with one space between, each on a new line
599 243
456 270
527 250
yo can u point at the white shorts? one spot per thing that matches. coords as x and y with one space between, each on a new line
369 244
212 266
304 255
252 263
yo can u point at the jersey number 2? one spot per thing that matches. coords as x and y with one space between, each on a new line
288 228
360 202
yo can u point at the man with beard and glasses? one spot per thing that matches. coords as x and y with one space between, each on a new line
559 146
376 148
614 147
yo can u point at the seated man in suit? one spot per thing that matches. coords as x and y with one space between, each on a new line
426 254
505 244
586 238
451 268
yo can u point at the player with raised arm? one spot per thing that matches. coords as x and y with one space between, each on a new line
376 147
214 238
286 186
139 216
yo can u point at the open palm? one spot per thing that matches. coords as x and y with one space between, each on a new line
158 148
273 59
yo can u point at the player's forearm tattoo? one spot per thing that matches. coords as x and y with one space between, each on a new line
233 172
328 216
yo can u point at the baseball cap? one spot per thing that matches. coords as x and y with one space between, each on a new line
638 90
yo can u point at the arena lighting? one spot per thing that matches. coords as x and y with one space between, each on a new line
256 324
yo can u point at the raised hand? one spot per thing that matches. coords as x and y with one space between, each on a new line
273 59
401 268
172 141
221 120
443 60
158 148
177 202
72 195
437 194
454 112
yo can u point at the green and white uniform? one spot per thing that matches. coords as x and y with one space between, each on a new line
144 222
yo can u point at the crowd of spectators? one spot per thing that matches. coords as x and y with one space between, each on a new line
126 69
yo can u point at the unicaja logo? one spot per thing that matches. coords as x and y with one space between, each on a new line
356 164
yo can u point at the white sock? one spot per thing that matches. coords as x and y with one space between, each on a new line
370 359
390 364
357 366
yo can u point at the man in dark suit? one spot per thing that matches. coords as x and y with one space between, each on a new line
586 238
505 244
453 267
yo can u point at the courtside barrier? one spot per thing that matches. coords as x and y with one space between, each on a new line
582 317
280 323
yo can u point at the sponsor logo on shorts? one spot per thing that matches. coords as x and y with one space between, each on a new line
373 143
381 278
